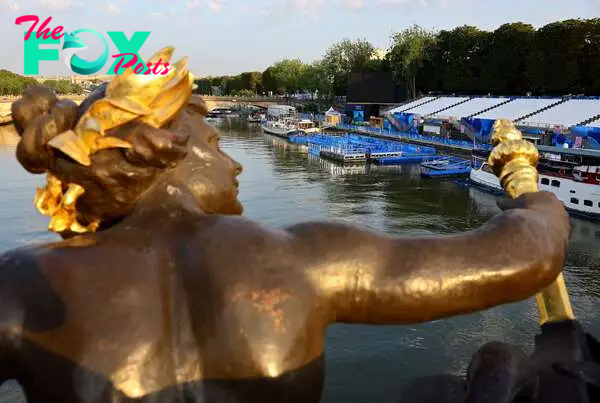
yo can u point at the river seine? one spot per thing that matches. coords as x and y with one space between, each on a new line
282 185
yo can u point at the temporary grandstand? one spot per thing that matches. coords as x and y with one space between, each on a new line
475 115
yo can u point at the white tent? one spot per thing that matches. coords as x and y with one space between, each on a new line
332 112
332 117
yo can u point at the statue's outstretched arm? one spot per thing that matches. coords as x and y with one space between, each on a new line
369 277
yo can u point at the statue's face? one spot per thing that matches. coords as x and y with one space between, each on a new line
209 173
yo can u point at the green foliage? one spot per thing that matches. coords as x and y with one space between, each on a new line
515 59
315 79
63 87
410 49
287 74
344 58
14 84
510 49
327 77
251 81
243 93
557 59
268 79
559 49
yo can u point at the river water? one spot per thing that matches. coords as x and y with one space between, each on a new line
281 185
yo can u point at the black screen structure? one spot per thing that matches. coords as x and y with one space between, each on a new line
376 88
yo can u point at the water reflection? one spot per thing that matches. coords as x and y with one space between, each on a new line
281 185
398 201
8 136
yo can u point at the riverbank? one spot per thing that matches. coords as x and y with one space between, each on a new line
6 102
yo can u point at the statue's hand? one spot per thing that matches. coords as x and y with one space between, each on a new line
545 203
38 117
551 213
158 148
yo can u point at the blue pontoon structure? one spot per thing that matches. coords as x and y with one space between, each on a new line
354 148
445 166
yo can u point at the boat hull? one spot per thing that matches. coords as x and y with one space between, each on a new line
277 131
579 198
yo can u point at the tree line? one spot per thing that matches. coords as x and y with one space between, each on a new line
15 84
326 77
516 59
560 58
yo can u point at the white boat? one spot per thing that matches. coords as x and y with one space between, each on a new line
282 121
306 126
484 177
290 126
578 188
281 127
221 113
256 117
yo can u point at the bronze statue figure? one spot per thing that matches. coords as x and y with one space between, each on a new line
161 291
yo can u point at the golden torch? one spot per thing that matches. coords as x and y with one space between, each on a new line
514 162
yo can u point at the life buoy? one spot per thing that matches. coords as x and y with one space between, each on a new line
562 172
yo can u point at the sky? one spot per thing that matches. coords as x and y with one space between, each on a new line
232 36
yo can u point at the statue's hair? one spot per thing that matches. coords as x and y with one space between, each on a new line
117 177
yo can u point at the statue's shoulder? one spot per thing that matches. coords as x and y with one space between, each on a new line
15 260
31 260
28 297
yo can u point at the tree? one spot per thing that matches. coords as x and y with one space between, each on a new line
506 59
14 84
63 87
314 79
344 58
287 74
589 62
203 86
559 58
459 58
252 81
555 64
410 49
268 79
